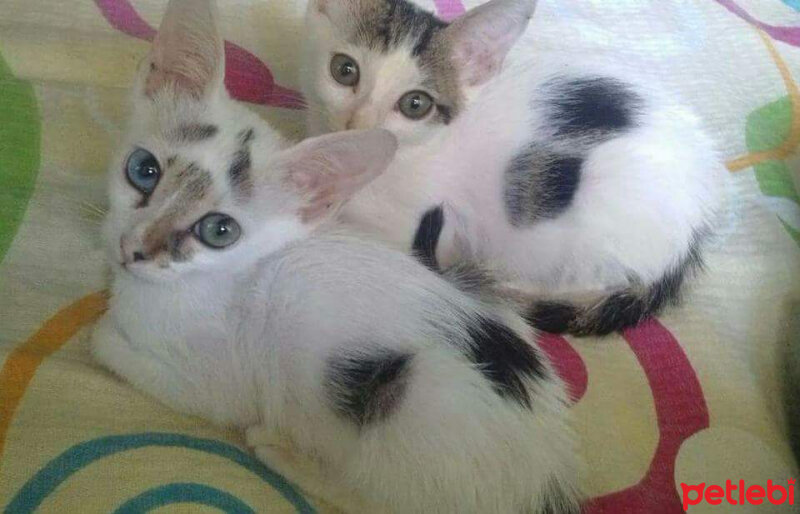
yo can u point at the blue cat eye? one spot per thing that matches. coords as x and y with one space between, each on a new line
217 230
143 171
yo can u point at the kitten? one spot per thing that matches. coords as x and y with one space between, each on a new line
587 189
357 372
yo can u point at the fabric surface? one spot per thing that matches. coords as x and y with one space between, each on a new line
692 397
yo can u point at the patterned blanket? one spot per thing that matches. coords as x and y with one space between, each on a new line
694 396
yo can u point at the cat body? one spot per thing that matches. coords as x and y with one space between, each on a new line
582 185
357 372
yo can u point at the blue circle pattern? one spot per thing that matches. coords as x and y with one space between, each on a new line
184 493
794 4
47 479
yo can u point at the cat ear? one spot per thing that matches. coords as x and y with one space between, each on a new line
319 6
187 52
328 170
481 38
333 10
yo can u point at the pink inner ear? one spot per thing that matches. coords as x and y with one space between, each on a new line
187 51
322 6
477 62
483 36
304 179
158 79
248 78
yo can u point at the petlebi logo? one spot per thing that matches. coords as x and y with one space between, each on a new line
739 493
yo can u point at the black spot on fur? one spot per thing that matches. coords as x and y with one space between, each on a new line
445 113
239 171
540 184
368 388
552 317
432 26
246 136
621 309
504 359
596 106
427 237
559 181
171 160
196 132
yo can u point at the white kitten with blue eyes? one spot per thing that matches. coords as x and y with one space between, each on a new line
588 189
358 373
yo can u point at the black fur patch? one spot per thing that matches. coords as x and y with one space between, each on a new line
246 136
368 388
403 21
239 171
540 185
432 26
427 237
196 132
553 317
504 359
445 113
596 106
621 309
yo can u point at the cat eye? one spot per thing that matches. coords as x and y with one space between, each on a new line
217 230
344 70
143 171
415 105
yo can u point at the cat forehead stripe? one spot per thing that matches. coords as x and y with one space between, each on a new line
239 170
395 22
194 132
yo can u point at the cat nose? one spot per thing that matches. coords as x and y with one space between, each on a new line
131 251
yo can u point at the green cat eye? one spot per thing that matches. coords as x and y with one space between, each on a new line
344 70
142 171
217 230
415 105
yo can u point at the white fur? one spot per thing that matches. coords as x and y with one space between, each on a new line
242 336
641 198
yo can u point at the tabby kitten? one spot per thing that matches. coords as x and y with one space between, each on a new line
357 372
587 188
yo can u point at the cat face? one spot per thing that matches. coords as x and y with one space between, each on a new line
201 183
389 64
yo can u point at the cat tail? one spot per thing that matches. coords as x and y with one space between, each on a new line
615 311
468 276
620 309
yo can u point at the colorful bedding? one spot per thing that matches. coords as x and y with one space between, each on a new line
694 396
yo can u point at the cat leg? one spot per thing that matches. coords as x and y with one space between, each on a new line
113 350
282 455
